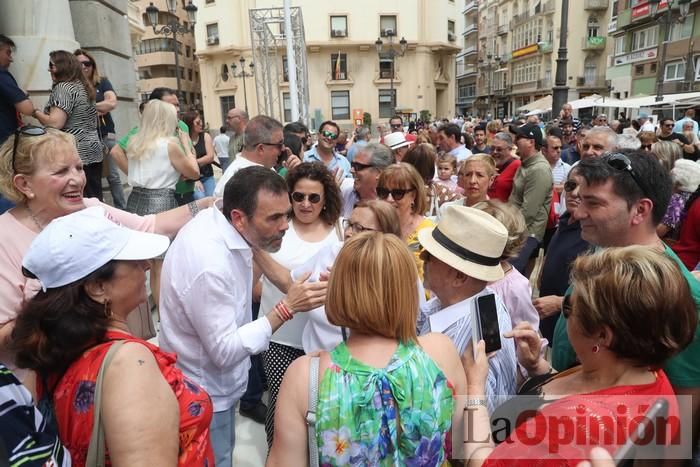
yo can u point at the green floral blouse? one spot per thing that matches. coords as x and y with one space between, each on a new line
398 415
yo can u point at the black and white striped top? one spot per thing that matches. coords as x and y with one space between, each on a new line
71 97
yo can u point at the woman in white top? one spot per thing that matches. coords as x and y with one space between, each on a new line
316 202
156 159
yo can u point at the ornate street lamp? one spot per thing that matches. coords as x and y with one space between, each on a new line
392 53
243 74
684 10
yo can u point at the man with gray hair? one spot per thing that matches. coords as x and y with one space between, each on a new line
368 163
598 141
264 142
507 165
236 120
362 136
628 141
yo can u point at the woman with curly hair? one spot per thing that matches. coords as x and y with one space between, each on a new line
313 225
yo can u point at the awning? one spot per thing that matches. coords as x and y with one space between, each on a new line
650 101
542 103
594 100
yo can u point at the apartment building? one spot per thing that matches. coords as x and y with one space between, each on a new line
155 59
466 59
346 74
637 60
517 48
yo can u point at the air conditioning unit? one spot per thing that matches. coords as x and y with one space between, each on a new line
338 33
212 40
451 36
388 32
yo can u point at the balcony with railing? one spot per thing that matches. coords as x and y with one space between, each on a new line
545 84
470 6
468 50
464 70
502 29
469 29
674 87
596 4
593 43
519 18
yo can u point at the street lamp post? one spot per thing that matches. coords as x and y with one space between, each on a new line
243 74
560 91
173 27
489 76
684 7
392 53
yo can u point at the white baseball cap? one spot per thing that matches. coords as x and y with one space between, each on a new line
72 247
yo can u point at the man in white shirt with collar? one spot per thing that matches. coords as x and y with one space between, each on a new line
207 287
458 264
449 141
264 142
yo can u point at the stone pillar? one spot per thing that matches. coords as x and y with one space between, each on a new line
102 28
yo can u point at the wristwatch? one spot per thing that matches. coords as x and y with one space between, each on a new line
471 403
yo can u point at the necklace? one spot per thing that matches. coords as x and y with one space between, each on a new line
36 221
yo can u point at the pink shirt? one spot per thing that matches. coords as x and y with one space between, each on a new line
15 239
515 291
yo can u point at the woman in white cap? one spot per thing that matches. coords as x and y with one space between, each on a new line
92 275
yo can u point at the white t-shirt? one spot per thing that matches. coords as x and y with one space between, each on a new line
239 163
221 145
294 252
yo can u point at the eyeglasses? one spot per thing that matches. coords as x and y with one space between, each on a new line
27 130
621 162
329 134
397 193
566 307
668 125
86 64
356 227
298 197
358 166
570 186
279 146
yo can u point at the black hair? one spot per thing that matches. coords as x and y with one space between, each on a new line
452 129
293 142
655 181
329 122
4 40
296 127
241 191
222 130
159 93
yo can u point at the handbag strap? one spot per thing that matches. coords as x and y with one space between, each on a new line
96 450
311 412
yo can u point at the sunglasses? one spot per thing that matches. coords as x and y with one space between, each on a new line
27 130
398 125
86 64
356 227
397 193
566 307
358 166
570 186
329 134
622 163
298 197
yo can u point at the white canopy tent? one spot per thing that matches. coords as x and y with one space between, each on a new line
540 104
650 101
594 100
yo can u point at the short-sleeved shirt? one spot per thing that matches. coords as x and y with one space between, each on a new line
338 161
683 370
105 122
72 98
10 94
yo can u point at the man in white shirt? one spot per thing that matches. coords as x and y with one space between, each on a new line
264 142
458 265
366 167
560 169
645 123
449 141
207 287
221 147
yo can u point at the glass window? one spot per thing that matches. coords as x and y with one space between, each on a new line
450 26
619 45
638 70
340 105
674 71
339 66
285 70
226 103
645 38
385 67
680 31
386 105
213 33
387 23
593 26
189 74
339 26
287 104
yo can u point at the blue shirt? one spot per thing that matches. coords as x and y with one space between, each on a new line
338 161
10 94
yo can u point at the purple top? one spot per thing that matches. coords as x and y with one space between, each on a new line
674 212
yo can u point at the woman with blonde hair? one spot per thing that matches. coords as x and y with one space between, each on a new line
667 152
475 177
385 396
402 186
647 138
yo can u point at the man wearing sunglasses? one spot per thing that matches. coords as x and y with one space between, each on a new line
623 199
264 142
666 133
368 163
324 150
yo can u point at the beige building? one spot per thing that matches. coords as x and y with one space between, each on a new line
358 80
155 59
517 51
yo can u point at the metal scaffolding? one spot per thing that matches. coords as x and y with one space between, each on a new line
269 44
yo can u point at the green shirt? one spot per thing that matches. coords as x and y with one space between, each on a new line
683 370
124 140
532 193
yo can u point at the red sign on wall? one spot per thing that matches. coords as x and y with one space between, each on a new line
643 9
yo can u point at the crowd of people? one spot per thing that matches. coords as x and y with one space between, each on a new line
377 287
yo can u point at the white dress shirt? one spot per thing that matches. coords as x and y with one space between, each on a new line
221 145
205 307
455 321
238 163
461 153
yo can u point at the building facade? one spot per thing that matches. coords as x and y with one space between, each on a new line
466 60
637 62
346 74
155 59
516 52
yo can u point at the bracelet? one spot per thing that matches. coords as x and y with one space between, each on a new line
471 403
283 312
194 208
279 314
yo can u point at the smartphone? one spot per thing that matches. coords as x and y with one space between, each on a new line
625 455
487 322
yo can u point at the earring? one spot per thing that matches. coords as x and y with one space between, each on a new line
108 309
596 348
